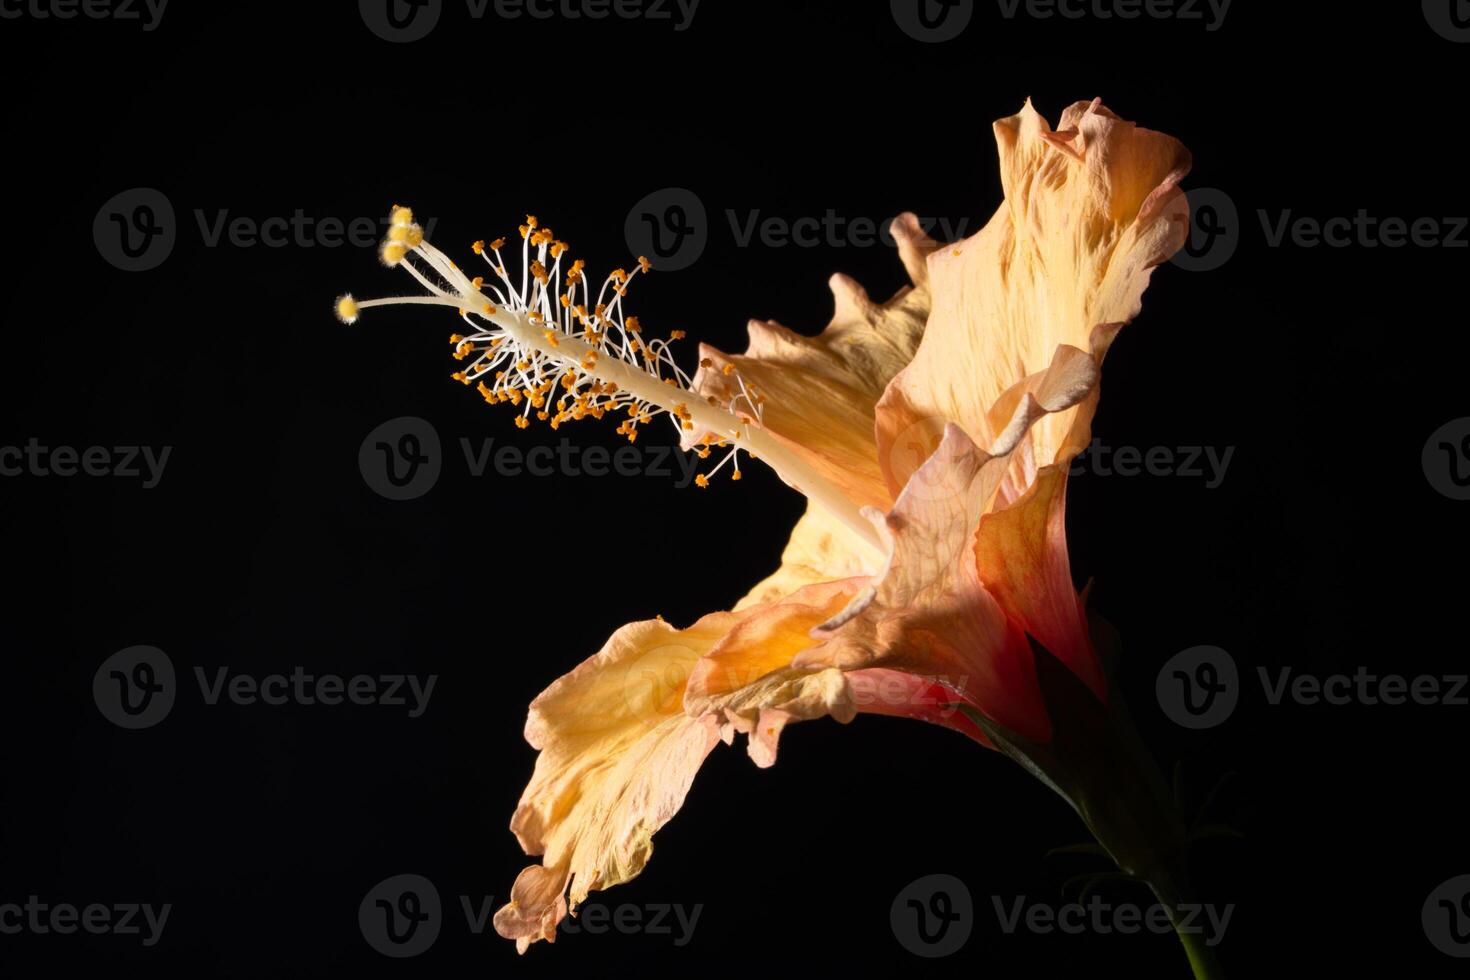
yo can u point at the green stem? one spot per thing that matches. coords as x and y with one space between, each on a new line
1173 892
1143 831
1201 958
1096 761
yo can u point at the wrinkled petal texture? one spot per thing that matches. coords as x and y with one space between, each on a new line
819 393
617 755
618 749
950 414
1090 209
931 612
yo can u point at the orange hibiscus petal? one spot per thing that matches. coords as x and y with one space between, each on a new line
618 750
929 613
819 392
1021 557
1089 211
747 684
617 756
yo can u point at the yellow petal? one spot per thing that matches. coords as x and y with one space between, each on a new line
762 709
1089 210
618 751
820 392
747 683
1071 379
617 757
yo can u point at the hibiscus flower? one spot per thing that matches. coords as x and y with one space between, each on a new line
932 434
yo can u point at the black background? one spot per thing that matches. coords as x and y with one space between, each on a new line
262 548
